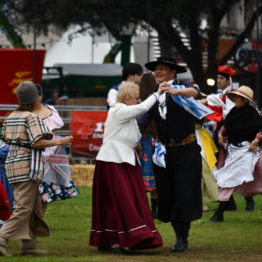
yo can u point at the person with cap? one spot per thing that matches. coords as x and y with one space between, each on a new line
131 72
27 136
179 183
220 103
242 127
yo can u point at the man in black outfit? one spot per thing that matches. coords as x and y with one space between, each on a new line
179 184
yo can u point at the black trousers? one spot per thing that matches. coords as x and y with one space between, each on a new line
179 184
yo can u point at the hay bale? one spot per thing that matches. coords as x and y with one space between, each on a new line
82 175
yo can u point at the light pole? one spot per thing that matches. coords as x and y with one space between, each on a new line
34 41
259 66
148 29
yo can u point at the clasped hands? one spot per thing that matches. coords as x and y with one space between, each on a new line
166 87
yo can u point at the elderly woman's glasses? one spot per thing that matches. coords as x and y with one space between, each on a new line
137 98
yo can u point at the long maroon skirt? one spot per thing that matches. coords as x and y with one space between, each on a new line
120 210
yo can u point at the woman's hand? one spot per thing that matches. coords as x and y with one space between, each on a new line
160 90
220 139
66 140
253 145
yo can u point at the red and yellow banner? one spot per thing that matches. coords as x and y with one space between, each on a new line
88 130
16 66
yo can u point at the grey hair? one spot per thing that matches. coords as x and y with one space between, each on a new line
125 91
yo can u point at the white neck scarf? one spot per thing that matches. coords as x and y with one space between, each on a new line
162 105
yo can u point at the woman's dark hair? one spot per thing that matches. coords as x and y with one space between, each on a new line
40 89
29 107
148 85
131 69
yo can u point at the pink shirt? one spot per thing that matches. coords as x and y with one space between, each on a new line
54 121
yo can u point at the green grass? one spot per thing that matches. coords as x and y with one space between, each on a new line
238 239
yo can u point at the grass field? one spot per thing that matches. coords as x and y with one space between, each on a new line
238 239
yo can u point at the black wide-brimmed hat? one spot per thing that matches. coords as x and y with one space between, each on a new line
170 61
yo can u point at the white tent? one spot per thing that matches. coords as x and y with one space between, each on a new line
82 49
91 69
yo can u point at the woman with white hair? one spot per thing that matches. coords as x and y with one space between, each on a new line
121 215
242 129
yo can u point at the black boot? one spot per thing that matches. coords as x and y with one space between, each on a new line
219 213
230 205
250 204
181 230
154 208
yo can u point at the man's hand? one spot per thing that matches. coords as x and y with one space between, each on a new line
167 88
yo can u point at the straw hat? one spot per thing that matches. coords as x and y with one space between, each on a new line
243 91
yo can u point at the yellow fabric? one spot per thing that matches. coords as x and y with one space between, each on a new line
209 147
208 184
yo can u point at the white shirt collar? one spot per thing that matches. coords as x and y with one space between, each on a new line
226 90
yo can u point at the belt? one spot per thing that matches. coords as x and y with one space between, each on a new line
188 140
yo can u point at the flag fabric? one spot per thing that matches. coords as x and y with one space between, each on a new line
57 169
159 155
217 116
194 107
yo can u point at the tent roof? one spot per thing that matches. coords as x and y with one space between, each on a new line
91 69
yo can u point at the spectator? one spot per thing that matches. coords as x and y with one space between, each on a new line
131 72
55 98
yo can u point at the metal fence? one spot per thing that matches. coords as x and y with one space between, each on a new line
67 120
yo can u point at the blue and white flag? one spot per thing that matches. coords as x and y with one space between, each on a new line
191 105
159 155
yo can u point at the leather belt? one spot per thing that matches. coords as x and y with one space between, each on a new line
188 140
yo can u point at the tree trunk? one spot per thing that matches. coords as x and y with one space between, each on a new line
165 46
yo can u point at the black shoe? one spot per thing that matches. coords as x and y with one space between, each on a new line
217 217
250 204
105 249
154 208
180 246
230 205
118 250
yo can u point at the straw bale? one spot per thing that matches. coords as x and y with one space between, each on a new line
82 175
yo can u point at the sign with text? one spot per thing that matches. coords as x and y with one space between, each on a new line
249 56
88 131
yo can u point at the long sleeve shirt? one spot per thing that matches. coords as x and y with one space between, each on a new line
122 133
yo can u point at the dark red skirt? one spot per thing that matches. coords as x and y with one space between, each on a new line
120 210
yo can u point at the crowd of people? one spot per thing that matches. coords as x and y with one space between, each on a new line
155 140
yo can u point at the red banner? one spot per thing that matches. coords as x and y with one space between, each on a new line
87 130
16 66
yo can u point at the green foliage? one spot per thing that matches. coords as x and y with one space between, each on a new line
238 238
170 18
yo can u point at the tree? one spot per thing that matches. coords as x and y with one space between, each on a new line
170 18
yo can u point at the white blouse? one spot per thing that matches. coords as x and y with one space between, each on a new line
122 133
